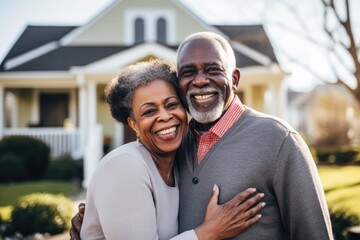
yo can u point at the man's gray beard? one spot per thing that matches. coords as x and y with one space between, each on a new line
209 116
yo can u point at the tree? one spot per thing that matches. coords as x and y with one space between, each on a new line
342 37
335 34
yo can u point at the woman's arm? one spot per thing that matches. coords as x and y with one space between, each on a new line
221 221
119 202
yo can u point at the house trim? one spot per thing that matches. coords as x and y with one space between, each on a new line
115 62
251 53
30 55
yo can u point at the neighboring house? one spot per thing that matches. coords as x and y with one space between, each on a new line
52 79
327 116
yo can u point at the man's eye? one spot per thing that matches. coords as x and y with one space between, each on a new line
214 71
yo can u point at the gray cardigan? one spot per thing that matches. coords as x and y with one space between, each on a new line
262 152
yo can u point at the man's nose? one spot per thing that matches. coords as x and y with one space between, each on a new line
201 80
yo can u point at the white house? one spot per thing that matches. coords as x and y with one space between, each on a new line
329 114
52 79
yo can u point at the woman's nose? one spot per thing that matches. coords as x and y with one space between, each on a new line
165 115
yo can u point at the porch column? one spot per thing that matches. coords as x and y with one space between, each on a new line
35 105
72 113
92 104
278 99
2 113
93 150
248 96
82 112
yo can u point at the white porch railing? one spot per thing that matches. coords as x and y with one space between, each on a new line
60 140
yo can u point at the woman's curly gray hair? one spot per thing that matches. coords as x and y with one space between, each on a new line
119 91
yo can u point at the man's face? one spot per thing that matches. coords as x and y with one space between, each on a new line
205 82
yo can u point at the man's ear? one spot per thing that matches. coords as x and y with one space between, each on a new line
132 124
236 78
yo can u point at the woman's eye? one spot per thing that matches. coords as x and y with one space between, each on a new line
148 112
173 105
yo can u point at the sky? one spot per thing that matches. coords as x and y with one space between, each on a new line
287 37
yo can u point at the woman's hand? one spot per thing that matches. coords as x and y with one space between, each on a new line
76 223
231 218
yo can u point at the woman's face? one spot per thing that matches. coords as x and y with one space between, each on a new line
159 118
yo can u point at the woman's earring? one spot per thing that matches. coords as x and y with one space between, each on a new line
137 139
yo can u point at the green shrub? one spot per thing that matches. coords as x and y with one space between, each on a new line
341 220
35 153
12 167
341 155
62 168
346 155
42 213
322 156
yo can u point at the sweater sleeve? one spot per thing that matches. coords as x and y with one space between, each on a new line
299 192
188 235
120 204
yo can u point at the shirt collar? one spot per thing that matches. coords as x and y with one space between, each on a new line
231 115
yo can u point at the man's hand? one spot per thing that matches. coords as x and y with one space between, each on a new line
76 223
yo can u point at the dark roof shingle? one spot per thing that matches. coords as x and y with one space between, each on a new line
63 58
253 36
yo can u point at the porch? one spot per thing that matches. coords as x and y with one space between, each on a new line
60 140
68 141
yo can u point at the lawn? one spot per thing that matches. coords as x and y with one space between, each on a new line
10 192
342 187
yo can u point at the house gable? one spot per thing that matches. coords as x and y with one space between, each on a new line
65 47
116 24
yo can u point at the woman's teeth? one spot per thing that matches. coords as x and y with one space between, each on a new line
167 131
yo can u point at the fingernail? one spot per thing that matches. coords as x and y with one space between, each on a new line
261 195
263 204
252 190
259 215
215 187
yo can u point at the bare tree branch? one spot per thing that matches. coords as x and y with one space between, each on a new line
341 43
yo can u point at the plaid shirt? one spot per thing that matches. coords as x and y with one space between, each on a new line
208 139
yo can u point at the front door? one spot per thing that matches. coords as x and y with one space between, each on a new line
54 109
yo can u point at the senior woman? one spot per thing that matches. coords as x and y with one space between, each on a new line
134 192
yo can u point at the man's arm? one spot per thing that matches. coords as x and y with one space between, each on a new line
299 192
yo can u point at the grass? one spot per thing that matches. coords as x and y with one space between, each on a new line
342 187
336 177
10 192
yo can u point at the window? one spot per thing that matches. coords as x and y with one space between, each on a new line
161 30
149 25
139 30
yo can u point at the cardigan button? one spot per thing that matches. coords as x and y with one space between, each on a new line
195 180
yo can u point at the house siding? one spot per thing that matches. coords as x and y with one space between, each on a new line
103 114
109 28
25 109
